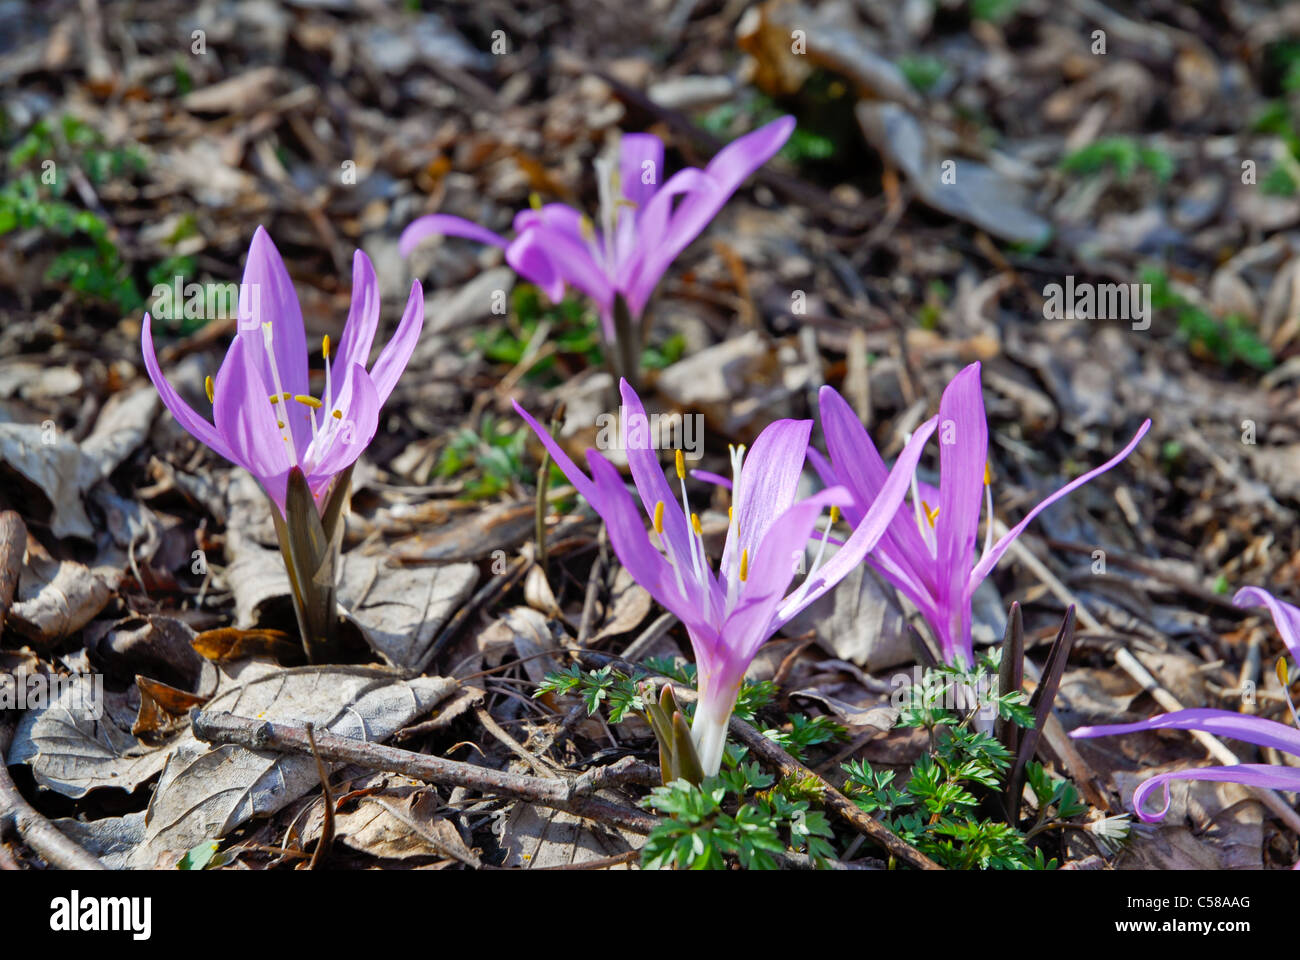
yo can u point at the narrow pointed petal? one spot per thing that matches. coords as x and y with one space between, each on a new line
343 440
868 533
641 164
963 453
266 295
247 421
987 563
1221 723
640 271
632 546
858 465
443 224
397 352
651 485
1285 616
730 168
769 479
580 480
772 568
1260 775
363 319
194 424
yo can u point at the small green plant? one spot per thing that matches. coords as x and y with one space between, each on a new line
922 71
1228 340
492 456
938 808
1124 155
738 815
994 11
28 200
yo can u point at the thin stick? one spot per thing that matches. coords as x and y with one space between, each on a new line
865 824
558 794
39 834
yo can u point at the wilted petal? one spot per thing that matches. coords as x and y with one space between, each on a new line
194 424
443 224
1260 775
1221 723
1285 616
397 352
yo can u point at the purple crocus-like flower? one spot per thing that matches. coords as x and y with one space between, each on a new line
928 552
728 613
264 417
639 232
1225 723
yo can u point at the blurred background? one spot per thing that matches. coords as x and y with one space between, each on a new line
962 170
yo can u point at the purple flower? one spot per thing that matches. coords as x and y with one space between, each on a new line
264 418
928 552
1225 723
729 613
639 233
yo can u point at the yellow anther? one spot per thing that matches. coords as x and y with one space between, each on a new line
1283 675
988 474
695 525
207 386
308 401
731 514
681 465
930 515
535 200
274 398
280 424
587 228
325 346
338 414
286 395
835 514
659 518
744 565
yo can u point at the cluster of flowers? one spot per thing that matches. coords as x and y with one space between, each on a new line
924 540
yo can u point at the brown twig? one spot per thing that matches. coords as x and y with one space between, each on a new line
558 794
327 827
38 833
868 826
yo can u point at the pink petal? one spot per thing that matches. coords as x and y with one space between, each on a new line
443 224
194 424
397 352
1285 616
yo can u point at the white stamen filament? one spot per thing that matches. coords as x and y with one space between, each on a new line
605 182
279 389
817 560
